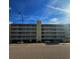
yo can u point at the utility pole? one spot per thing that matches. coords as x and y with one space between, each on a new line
21 17
22 20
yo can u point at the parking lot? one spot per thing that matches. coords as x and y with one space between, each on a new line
39 51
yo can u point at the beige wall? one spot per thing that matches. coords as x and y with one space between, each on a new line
38 29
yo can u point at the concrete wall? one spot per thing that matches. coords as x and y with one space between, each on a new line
38 30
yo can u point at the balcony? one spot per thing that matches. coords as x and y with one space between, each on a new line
23 31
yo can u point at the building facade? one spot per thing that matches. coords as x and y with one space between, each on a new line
36 32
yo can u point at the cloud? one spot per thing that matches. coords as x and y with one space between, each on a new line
9 8
59 9
67 21
53 2
58 21
54 21
10 22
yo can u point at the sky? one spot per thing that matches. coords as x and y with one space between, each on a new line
48 11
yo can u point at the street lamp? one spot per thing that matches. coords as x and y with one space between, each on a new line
21 16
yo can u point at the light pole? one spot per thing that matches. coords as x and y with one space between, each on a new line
21 23
21 17
22 20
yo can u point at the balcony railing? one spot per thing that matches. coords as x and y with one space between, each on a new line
23 31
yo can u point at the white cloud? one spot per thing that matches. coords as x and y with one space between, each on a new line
58 21
10 22
67 21
9 8
54 21
52 2
60 9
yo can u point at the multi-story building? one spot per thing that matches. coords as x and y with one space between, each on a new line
37 32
